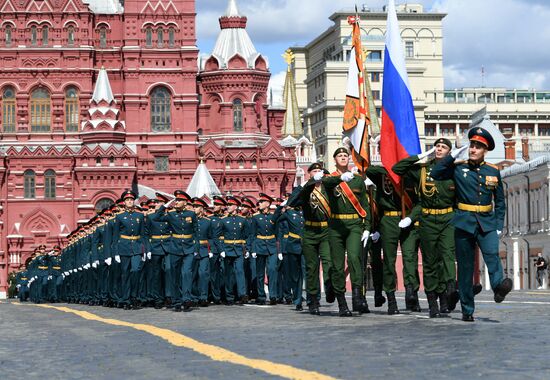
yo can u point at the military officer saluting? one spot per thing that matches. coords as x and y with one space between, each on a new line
437 199
479 217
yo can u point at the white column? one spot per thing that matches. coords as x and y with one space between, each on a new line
516 267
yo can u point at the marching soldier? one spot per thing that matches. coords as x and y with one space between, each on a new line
231 237
128 246
436 232
264 249
206 239
349 230
476 220
100 251
247 211
216 263
396 230
185 243
313 199
22 282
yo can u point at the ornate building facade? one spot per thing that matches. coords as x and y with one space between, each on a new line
97 97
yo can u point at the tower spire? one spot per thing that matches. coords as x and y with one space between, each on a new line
292 123
102 90
232 9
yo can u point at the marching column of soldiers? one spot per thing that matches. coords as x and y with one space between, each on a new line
181 254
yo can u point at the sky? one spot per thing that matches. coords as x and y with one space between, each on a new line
509 38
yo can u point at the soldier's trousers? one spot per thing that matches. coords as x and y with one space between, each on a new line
268 262
438 251
345 237
153 269
465 252
187 277
215 276
376 264
294 278
250 275
285 283
172 268
201 278
92 284
391 236
316 248
23 293
102 281
234 274
114 281
129 278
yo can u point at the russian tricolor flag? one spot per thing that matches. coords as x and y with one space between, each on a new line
399 133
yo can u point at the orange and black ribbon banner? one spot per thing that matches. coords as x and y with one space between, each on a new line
352 198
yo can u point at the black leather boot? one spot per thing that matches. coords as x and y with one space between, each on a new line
443 305
330 297
358 301
392 304
343 310
379 298
432 304
409 297
314 305
452 295
503 289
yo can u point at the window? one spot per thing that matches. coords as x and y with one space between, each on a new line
33 35
161 164
375 56
40 111
8 110
45 32
49 184
171 37
8 35
237 115
429 130
102 204
70 35
241 163
160 110
375 77
29 178
228 164
160 37
71 110
409 49
148 37
103 37
376 95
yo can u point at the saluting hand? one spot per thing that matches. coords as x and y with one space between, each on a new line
318 176
457 152
347 176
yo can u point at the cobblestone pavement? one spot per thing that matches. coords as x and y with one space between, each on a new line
507 341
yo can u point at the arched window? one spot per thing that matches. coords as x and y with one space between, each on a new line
103 37
45 36
49 184
160 37
241 163
149 37
171 37
29 178
71 110
33 35
40 111
70 35
237 115
8 35
102 204
160 110
8 110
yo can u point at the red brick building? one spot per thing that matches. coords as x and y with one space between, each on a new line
74 135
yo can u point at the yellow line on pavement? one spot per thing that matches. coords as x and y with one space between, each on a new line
543 293
213 352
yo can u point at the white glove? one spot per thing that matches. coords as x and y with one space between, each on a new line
347 176
94 264
426 154
222 254
63 275
283 203
97 263
404 223
80 269
499 232
368 182
375 236
457 152
70 271
254 255
144 257
108 260
49 278
210 255
365 237
18 286
149 255
318 176
280 256
247 255
117 259
195 253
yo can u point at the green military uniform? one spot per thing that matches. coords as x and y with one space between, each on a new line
22 280
437 200
313 199
346 230
478 219
389 207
